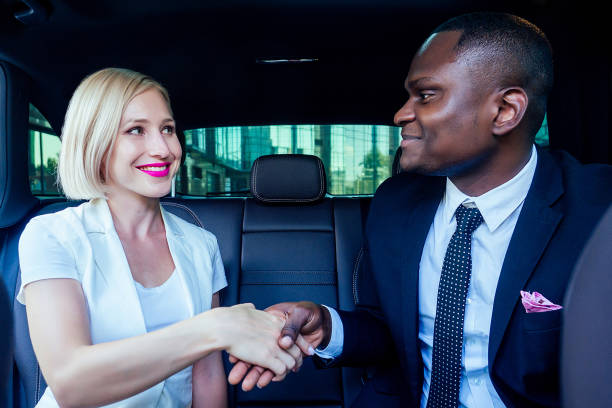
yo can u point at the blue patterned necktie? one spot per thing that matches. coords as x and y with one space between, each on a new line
450 312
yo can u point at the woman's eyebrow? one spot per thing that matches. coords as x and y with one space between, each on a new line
130 121
144 120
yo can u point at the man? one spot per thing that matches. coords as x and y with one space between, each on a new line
480 231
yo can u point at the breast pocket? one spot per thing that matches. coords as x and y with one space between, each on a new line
541 336
542 321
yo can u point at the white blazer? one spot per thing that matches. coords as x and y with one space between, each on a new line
81 243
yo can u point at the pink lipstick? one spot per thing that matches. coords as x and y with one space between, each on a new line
155 169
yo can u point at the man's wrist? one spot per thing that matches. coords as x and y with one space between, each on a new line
336 337
326 327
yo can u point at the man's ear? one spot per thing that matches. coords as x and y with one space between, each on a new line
511 104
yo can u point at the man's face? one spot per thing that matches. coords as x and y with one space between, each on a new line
446 122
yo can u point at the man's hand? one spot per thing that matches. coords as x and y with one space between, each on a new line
307 325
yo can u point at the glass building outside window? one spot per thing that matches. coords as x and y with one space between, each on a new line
357 158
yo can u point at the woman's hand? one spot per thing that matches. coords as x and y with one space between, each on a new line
251 335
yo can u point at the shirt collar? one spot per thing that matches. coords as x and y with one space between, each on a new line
497 204
98 218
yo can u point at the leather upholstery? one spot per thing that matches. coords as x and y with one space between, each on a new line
586 359
6 342
288 178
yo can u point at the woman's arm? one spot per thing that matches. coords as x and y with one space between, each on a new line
80 373
208 378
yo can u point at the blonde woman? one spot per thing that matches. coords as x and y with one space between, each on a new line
122 296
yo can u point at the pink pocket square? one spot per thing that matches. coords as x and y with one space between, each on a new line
535 303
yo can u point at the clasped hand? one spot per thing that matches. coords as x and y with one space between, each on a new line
306 326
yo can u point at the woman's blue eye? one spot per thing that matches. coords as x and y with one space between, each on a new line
135 131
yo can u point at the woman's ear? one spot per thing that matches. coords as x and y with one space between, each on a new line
512 104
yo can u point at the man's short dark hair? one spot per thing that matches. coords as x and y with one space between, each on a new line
510 51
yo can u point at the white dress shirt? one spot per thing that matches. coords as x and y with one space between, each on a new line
500 209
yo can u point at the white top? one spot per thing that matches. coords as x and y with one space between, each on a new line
81 243
162 306
500 209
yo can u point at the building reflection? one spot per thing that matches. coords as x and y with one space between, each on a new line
218 161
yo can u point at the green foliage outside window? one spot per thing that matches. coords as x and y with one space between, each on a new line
44 148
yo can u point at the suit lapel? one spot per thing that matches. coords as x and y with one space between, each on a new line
534 229
183 261
418 219
114 270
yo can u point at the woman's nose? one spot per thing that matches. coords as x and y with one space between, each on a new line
158 145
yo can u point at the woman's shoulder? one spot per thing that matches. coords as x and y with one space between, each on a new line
61 230
56 222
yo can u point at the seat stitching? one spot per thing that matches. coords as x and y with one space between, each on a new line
321 176
189 210
254 178
356 276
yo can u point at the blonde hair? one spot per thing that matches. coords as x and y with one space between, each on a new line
91 125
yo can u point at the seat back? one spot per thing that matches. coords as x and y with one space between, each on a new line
586 361
6 342
298 244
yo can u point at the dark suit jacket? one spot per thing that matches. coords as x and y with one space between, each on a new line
564 203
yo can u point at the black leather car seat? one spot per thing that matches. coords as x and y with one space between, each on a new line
299 244
586 360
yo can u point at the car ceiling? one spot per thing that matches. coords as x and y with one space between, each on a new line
205 52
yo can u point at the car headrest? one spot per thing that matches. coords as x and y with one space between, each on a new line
288 178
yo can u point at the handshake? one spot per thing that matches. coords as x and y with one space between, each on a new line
265 345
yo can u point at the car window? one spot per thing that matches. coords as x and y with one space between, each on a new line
218 160
44 149
541 138
357 158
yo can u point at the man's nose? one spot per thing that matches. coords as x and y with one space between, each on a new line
405 114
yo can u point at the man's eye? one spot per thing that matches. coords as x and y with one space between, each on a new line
425 96
135 131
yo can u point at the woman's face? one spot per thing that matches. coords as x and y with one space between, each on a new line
147 152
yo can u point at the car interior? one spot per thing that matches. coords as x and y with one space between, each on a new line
271 99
